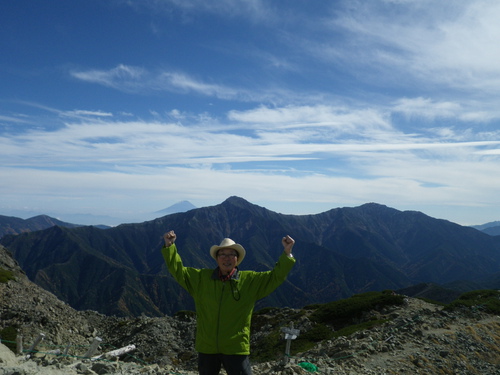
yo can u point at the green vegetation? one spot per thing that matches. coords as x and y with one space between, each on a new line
269 347
349 330
343 318
6 275
8 335
330 320
310 338
271 320
347 311
485 300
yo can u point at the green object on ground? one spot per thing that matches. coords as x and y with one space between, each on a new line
308 366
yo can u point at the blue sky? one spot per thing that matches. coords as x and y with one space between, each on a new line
121 108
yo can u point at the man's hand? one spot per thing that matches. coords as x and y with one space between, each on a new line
288 243
169 238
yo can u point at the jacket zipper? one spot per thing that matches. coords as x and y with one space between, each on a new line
218 315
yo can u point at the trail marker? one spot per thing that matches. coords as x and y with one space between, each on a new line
290 334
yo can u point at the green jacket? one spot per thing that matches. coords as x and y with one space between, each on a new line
224 309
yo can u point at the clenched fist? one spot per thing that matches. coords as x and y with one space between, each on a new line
288 243
169 238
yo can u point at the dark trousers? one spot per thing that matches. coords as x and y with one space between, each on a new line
210 364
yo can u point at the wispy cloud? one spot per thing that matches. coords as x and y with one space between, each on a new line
137 80
121 77
427 108
14 119
185 83
455 44
141 81
346 119
293 159
309 133
465 111
85 113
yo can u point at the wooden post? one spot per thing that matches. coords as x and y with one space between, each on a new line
19 344
66 349
33 346
93 347
290 334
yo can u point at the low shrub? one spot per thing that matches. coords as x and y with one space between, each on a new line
486 300
6 275
308 339
346 316
269 348
8 336
349 330
351 310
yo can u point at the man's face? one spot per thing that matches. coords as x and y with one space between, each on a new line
226 260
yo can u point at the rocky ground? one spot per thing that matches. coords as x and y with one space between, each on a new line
419 338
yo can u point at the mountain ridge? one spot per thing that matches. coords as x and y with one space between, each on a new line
15 225
340 252
406 336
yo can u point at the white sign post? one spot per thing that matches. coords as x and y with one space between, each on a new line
290 334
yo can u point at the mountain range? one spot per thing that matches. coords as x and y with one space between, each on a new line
492 228
341 252
15 225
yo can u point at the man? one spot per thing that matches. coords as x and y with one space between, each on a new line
224 300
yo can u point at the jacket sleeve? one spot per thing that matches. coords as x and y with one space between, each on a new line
268 281
185 276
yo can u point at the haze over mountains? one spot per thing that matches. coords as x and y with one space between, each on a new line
492 228
100 220
340 252
15 225
175 208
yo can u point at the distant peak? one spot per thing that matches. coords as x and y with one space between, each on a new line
234 199
373 204
181 206
239 202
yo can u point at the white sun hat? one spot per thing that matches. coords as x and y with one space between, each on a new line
228 243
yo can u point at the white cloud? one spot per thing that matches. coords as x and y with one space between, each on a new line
288 154
13 119
121 77
432 110
346 120
452 43
427 108
495 151
139 80
169 80
390 181
270 136
83 113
